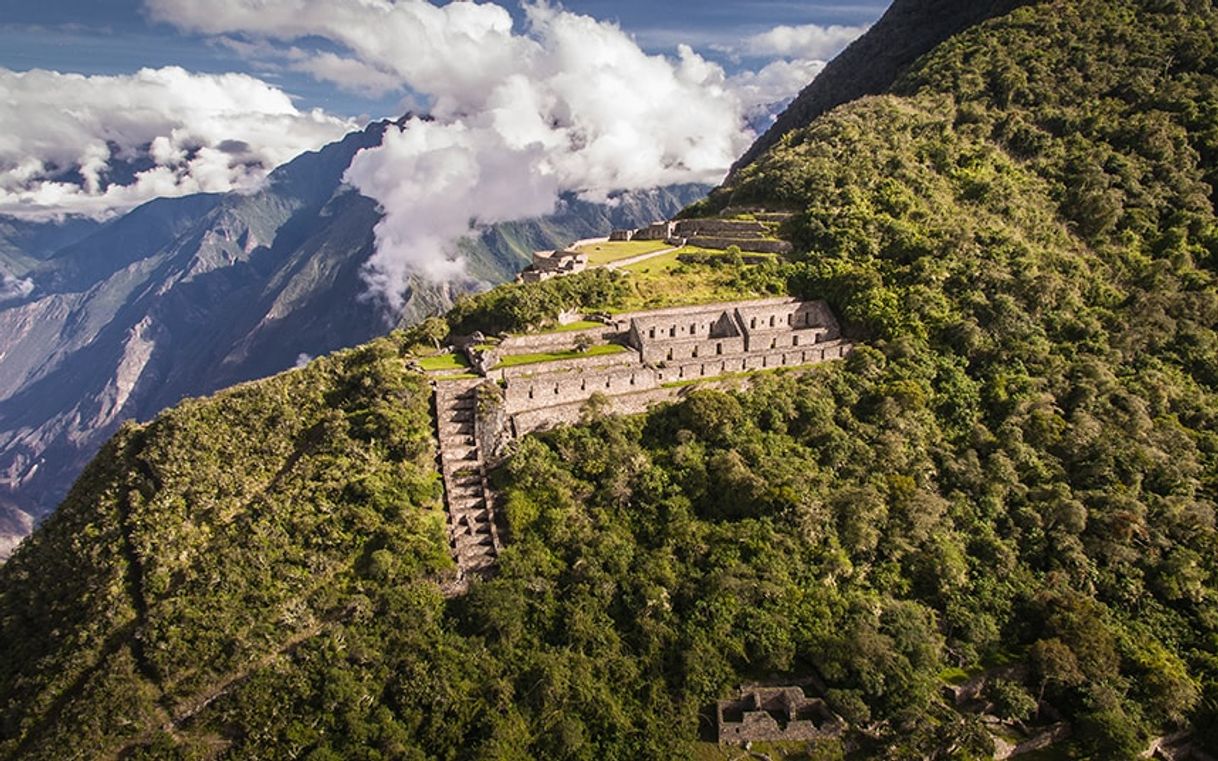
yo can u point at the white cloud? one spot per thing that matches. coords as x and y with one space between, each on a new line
777 82
349 73
452 48
436 183
567 104
806 42
184 133
14 287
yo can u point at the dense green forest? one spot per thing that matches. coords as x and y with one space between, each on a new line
1019 465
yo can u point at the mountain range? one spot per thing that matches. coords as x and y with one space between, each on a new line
100 323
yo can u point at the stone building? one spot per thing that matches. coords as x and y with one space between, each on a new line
548 264
662 351
655 231
772 714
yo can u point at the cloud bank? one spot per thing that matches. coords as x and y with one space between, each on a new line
809 42
99 145
519 116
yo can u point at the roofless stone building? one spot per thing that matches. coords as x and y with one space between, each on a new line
775 714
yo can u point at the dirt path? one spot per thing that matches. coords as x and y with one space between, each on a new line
636 259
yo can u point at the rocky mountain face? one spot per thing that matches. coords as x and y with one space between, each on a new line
907 31
183 296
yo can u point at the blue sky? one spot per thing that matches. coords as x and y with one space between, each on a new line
115 37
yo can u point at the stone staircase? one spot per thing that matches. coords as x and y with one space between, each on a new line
473 537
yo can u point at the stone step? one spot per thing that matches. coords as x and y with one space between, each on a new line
471 528
472 535
480 563
475 556
460 453
463 542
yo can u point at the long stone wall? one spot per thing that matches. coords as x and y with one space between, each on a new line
766 360
539 391
674 351
787 316
760 245
628 357
731 228
531 400
570 412
547 342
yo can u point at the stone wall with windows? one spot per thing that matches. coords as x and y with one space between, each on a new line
669 349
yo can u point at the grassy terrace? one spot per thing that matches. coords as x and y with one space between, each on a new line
665 282
607 253
515 360
442 362
665 264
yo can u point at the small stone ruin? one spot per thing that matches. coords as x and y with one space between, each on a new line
774 714
549 264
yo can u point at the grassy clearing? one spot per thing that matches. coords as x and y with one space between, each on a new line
606 253
665 282
659 265
954 676
721 252
515 360
663 265
442 362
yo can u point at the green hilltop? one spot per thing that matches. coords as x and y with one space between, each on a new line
1018 467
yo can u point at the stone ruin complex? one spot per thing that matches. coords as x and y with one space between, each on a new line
663 354
775 714
755 234
548 264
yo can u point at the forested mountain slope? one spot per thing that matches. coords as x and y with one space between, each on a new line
185 296
1020 466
